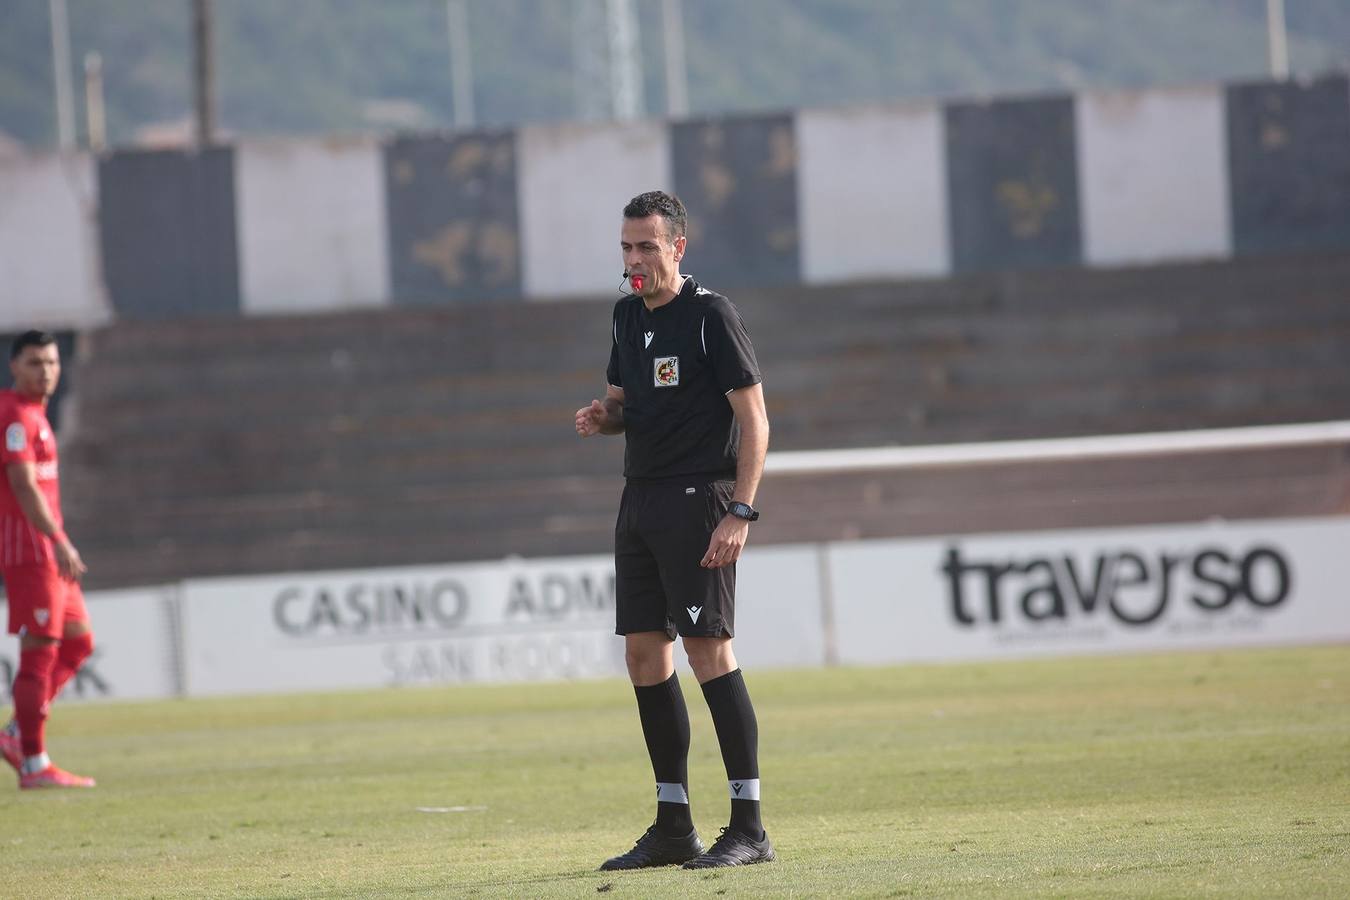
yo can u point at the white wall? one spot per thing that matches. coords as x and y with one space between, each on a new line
135 648
482 622
872 193
778 607
1087 591
50 275
311 226
895 602
573 182
1153 175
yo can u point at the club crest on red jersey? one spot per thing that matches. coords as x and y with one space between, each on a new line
666 371
15 438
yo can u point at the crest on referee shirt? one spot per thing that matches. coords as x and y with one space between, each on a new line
15 438
666 371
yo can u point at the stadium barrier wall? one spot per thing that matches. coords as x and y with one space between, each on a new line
1290 172
453 234
737 178
1012 188
311 226
137 648
1153 171
568 217
1091 591
1207 585
820 196
894 184
168 234
50 271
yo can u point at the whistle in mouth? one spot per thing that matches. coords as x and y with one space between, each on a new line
637 284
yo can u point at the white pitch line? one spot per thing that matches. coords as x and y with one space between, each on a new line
1097 446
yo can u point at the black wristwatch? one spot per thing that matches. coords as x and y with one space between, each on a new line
743 511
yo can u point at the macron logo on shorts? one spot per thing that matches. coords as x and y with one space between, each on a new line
694 612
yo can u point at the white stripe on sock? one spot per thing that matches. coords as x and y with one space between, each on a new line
744 789
671 793
37 763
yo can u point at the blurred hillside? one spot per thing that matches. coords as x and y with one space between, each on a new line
342 66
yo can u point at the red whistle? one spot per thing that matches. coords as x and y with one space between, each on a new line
637 284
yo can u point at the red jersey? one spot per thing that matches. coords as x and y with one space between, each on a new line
26 436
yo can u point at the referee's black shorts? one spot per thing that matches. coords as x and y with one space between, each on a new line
661 535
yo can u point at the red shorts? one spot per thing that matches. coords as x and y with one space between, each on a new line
41 602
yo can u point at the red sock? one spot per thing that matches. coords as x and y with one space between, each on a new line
30 696
70 655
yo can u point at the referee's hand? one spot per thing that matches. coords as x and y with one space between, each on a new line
727 542
590 418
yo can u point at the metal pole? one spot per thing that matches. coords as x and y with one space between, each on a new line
65 97
204 74
461 63
590 72
1278 38
625 68
677 73
94 111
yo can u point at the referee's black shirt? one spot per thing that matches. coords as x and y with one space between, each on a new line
676 364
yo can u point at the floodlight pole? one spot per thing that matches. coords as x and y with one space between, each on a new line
94 110
625 68
204 72
590 74
677 72
1277 37
607 66
65 96
461 63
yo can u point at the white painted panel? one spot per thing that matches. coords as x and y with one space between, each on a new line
312 232
872 193
778 615
574 181
134 648
1153 175
506 621
517 620
1092 591
50 274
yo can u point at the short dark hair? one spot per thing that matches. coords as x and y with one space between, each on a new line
659 203
30 339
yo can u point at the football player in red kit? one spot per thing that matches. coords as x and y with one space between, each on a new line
40 566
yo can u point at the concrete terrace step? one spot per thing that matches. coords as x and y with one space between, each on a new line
933 500
422 435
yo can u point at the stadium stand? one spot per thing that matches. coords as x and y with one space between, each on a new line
219 445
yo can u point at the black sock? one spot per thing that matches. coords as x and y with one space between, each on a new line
738 734
665 725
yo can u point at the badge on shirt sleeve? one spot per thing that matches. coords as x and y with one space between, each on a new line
666 371
15 438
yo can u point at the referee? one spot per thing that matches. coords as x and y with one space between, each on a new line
684 389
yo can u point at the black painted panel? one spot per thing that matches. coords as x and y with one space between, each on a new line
453 234
167 229
1289 165
738 180
1012 184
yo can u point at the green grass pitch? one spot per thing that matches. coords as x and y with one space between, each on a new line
1178 775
